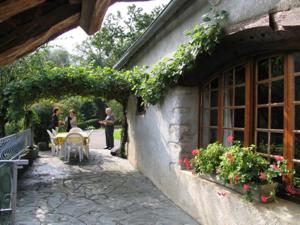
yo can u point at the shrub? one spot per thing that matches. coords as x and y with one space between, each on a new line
89 123
207 160
241 165
41 120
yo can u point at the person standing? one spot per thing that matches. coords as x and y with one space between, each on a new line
55 122
109 128
71 120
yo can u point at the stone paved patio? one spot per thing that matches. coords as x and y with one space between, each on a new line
103 190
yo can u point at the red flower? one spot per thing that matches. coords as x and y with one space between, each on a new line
290 190
230 138
195 152
246 187
229 157
262 176
278 158
187 164
263 199
237 178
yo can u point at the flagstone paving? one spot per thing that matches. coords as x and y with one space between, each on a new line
104 190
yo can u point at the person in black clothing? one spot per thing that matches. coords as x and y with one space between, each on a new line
71 120
55 122
109 128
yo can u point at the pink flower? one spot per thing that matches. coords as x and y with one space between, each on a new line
221 194
180 162
263 199
187 164
290 190
275 167
278 158
246 187
230 138
262 176
195 152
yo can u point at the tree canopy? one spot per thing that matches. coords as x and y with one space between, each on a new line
118 32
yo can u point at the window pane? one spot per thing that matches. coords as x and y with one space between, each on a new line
214 84
240 75
262 117
239 136
277 66
239 96
214 117
263 93
262 142
297 88
277 91
297 146
205 118
214 99
213 135
205 99
228 118
277 118
297 117
297 170
276 147
205 137
228 97
228 78
263 69
297 62
239 118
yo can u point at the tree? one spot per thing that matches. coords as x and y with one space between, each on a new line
117 34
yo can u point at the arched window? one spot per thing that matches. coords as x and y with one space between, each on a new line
257 102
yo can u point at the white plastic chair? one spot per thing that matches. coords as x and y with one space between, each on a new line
54 147
54 132
74 143
75 130
87 147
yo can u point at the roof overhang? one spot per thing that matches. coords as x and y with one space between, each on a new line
27 24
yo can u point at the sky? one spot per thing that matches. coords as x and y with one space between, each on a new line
73 37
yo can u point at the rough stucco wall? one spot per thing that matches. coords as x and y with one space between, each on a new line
167 129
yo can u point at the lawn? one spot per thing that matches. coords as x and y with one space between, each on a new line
117 134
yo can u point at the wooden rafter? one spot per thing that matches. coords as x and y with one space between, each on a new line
23 48
10 8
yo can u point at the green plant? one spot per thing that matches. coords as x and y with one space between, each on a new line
207 160
242 165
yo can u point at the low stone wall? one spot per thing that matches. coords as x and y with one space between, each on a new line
213 204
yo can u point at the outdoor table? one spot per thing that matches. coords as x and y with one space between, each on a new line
60 137
60 140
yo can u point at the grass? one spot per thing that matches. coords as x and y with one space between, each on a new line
117 134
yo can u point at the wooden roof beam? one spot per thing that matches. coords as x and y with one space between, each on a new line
10 8
31 44
93 12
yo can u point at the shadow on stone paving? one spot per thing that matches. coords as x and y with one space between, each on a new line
104 190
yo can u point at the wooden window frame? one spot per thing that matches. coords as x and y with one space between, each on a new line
251 106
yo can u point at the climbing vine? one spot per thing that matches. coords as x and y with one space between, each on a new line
151 84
